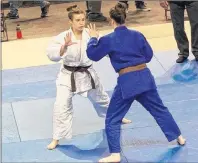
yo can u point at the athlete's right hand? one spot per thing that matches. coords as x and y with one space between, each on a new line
68 40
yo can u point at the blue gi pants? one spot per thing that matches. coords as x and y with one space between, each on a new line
151 101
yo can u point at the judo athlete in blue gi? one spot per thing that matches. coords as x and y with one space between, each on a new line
129 52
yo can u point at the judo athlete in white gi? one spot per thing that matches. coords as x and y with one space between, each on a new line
129 52
76 76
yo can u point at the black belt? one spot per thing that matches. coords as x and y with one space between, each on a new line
79 69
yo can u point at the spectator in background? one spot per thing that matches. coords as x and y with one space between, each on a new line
140 5
15 4
94 11
177 9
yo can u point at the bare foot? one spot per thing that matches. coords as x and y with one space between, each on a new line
126 121
181 140
53 144
114 157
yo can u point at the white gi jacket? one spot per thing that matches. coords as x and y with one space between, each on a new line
74 56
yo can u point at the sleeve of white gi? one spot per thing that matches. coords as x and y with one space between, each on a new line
54 47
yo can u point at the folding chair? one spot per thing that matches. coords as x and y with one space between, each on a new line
4 32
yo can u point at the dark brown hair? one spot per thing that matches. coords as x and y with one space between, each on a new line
74 10
118 13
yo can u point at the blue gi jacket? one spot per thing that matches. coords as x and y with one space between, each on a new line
125 48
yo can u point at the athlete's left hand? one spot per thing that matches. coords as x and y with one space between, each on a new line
93 31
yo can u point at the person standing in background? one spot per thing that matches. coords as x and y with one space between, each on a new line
140 5
177 9
15 4
94 11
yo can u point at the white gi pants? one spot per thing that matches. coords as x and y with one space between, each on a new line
63 109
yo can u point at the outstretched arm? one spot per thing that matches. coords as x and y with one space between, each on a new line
97 49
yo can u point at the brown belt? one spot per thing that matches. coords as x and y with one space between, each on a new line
132 68
79 69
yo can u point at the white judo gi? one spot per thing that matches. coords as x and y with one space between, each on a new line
74 56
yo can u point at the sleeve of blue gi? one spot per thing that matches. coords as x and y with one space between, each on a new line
146 49
97 49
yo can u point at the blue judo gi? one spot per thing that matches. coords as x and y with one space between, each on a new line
126 48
